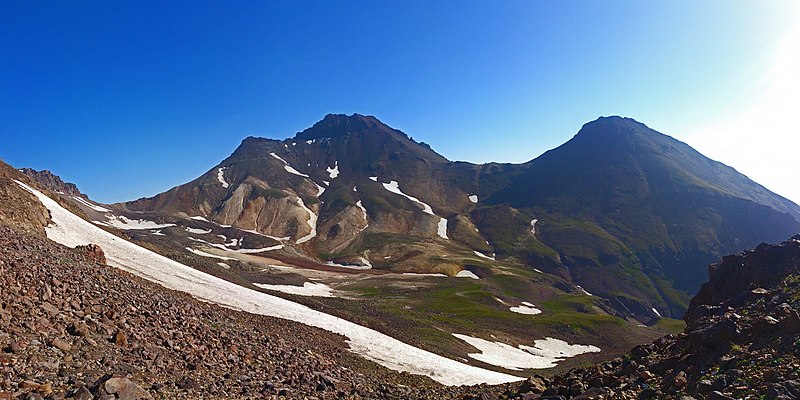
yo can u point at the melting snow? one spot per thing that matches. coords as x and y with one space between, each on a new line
333 172
479 254
656 312
394 187
364 211
533 225
90 205
288 167
465 273
582 290
320 190
308 289
198 231
70 230
441 228
416 274
545 353
526 308
221 177
350 266
209 255
473 198
312 222
121 222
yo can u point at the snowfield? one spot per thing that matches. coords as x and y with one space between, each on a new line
333 172
312 222
526 308
441 228
308 289
90 205
465 273
70 230
221 177
394 187
545 353
121 222
288 167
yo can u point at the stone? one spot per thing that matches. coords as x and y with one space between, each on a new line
120 339
125 389
78 329
62 345
717 395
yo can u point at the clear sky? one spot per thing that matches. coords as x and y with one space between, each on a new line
128 99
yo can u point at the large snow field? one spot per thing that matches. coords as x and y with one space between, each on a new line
308 289
545 353
70 230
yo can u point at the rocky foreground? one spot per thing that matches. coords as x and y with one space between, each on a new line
71 327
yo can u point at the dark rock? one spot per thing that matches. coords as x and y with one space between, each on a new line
716 395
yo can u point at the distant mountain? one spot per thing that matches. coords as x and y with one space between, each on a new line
53 182
628 213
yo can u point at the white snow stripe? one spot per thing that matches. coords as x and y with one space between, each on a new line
70 230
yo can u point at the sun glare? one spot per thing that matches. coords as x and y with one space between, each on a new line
761 139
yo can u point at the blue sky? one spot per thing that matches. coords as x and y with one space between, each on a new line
128 99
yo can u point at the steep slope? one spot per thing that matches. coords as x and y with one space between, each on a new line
633 213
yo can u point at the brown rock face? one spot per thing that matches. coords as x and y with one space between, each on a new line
93 252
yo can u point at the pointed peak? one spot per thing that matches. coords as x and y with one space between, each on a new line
338 125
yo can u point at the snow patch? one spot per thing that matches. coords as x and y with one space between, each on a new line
199 218
473 198
417 274
582 290
121 222
70 230
479 254
288 167
364 212
441 228
320 190
465 273
656 312
209 255
157 233
198 231
333 172
526 308
350 266
90 205
221 177
394 187
308 289
223 265
533 226
373 178
545 353
312 222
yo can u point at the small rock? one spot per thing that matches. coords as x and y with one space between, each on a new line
62 345
717 395
78 329
121 339
125 389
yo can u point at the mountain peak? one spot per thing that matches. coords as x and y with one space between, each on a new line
339 125
615 125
